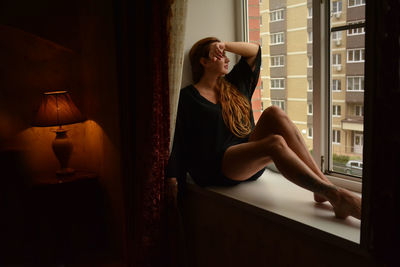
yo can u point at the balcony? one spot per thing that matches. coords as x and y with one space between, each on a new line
355 97
353 123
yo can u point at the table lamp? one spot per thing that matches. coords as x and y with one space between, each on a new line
57 109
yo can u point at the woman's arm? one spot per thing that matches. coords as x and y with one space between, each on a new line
247 50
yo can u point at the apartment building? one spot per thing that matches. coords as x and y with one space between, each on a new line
285 33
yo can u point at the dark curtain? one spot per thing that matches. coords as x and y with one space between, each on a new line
142 50
381 183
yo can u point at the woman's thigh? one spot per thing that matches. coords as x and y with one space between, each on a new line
268 123
242 161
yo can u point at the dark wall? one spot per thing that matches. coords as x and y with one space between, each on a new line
62 45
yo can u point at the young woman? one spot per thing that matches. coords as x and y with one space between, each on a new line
217 142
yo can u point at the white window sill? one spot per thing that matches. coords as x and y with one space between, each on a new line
272 193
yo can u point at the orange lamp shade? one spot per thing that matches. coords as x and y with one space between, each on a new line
56 109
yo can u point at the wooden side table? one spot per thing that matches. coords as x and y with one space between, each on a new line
66 220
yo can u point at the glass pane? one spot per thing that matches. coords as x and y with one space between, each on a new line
346 105
286 74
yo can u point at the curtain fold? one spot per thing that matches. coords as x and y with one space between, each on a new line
177 37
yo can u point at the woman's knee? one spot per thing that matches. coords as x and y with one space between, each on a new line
275 143
274 113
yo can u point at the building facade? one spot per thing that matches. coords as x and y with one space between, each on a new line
284 30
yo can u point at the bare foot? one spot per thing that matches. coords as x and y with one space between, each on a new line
347 204
318 198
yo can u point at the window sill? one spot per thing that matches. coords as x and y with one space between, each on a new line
273 195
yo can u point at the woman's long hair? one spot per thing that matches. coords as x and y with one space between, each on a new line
235 106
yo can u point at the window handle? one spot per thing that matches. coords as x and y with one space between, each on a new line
322 163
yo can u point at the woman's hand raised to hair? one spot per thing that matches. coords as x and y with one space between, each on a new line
217 50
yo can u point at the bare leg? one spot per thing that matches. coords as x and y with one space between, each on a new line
275 121
242 161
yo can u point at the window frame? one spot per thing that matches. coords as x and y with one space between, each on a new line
277 66
336 110
275 34
353 50
280 80
281 11
336 136
360 83
355 5
322 121
334 88
341 7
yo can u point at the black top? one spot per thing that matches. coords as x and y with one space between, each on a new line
201 136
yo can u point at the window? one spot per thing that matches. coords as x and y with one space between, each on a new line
310 132
342 126
336 112
261 21
279 103
276 38
359 110
276 15
336 136
310 85
309 13
336 59
262 85
354 3
277 61
336 85
309 61
355 55
310 109
356 31
337 35
278 83
336 7
309 40
355 83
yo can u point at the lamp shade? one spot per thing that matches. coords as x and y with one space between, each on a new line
57 108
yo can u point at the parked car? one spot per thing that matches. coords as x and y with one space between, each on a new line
354 167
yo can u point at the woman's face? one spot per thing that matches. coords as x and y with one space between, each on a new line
218 66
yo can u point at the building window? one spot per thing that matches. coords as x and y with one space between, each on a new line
309 14
276 15
336 136
277 61
277 38
310 109
336 59
356 31
278 83
355 55
262 106
279 103
309 37
336 85
355 83
336 7
336 110
337 35
262 85
310 85
261 21
310 132
359 110
354 3
309 61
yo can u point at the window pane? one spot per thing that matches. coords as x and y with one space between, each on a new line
346 119
286 71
